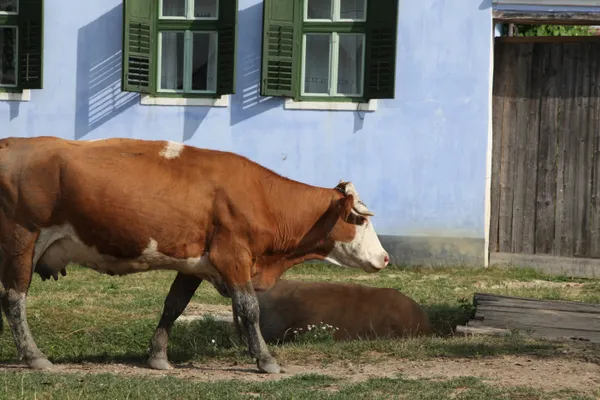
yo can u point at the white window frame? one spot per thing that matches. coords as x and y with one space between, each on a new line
334 48
16 12
189 12
335 13
188 48
16 84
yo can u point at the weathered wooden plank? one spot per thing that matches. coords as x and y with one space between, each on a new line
472 330
532 135
501 72
551 59
522 303
544 17
541 317
536 319
517 164
542 332
567 145
552 265
594 132
509 135
584 154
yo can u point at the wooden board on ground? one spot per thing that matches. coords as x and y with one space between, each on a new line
548 319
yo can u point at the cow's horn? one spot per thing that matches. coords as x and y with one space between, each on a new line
359 207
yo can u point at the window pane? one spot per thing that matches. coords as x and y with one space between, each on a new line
350 64
352 9
8 46
171 61
204 62
205 8
316 63
8 6
173 8
319 9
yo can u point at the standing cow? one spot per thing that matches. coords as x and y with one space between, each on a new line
121 206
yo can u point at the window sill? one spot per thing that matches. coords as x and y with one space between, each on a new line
331 106
147 100
25 95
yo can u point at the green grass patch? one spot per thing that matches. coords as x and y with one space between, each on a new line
307 387
87 317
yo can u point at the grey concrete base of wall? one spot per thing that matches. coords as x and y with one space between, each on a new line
434 251
573 267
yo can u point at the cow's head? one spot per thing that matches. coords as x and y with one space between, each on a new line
355 243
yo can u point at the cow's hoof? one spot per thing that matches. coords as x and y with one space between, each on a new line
159 363
39 363
270 367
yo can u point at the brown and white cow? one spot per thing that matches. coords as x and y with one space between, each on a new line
122 206
357 311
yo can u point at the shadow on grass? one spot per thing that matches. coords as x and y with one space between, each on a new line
208 340
444 318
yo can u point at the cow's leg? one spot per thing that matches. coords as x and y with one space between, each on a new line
181 292
17 271
246 306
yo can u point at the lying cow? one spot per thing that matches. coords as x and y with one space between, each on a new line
121 206
357 311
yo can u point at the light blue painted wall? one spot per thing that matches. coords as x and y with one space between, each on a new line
418 161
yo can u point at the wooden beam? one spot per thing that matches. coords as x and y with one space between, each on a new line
472 330
543 17
552 265
548 39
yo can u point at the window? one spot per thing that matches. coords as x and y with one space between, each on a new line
21 35
180 48
329 50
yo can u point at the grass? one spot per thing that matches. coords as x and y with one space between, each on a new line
307 387
87 317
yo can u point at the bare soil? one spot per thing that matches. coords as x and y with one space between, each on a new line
508 371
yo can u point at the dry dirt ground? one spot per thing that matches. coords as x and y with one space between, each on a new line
542 374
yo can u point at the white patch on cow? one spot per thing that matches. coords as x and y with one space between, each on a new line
364 251
172 150
58 246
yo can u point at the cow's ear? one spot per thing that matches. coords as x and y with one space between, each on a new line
345 206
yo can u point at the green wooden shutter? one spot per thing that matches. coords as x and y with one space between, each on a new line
380 63
31 44
139 35
227 43
281 38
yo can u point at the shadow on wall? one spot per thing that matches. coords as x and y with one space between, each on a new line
247 102
98 89
192 119
13 109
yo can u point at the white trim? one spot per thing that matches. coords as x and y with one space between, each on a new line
334 63
336 8
148 100
291 104
488 158
189 13
25 95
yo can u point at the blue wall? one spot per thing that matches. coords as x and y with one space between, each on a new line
418 161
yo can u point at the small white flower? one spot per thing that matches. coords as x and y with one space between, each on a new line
213 340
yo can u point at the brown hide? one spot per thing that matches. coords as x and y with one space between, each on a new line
358 311
118 194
